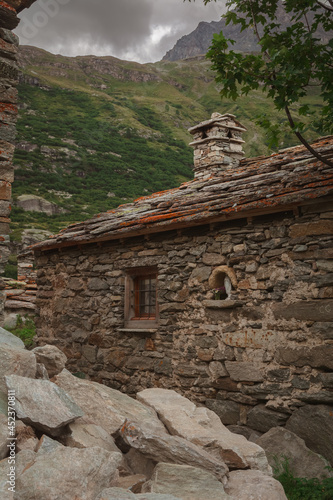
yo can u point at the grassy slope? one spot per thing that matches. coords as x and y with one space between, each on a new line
124 126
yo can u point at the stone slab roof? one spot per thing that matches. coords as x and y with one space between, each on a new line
265 184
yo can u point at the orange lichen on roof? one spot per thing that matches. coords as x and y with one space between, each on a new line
287 178
6 6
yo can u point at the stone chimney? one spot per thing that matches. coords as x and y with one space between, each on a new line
217 144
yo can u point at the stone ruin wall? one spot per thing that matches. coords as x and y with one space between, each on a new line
254 359
8 113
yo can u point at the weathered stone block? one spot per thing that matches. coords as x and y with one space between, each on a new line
262 419
8 69
7 34
243 485
280 444
8 16
255 339
7 132
320 356
310 310
244 371
213 259
311 228
42 404
184 481
314 424
97 284
228 411
141 363
324 329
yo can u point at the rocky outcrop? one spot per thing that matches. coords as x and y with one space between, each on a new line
32 203
86 66
75 456
198 41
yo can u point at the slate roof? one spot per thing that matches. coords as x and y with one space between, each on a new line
24 4
258 185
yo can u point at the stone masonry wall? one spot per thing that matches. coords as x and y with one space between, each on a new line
8 113
254 358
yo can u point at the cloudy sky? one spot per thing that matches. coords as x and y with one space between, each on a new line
137 30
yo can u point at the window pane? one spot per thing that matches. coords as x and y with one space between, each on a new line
145 296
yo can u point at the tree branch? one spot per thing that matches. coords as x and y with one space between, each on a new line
305 142
325 6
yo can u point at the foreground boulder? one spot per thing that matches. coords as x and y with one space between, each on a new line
14 358
119 494
42 404
185 482
3 436
52 358
7 338
281 444
253 484
88 435
203 427
105 406
171 449
68 473
314 424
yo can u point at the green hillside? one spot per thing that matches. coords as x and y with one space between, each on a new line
94 133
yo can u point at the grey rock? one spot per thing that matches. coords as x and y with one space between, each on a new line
34 203
5 494
139 464
327 379
116 494
262 419
203 427
97 284
171 449
3 436
314 424
155 496
9 339
108 407
16 360
42 404
47 445
52 358
325 329
66 472
89 435
26 437
281 444
3 403
310 310
244 371
253 484
185 482
41 372
320 356
228 411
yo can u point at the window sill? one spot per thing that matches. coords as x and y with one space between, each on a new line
222 304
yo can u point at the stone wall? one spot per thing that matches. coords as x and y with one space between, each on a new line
254 358
8 112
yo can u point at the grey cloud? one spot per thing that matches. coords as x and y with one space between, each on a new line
141 30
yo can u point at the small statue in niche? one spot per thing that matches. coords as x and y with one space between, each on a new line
223 292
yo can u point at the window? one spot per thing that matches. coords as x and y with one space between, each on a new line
141 309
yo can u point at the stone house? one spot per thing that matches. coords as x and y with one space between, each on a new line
221 289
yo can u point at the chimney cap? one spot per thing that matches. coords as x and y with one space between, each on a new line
227 120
